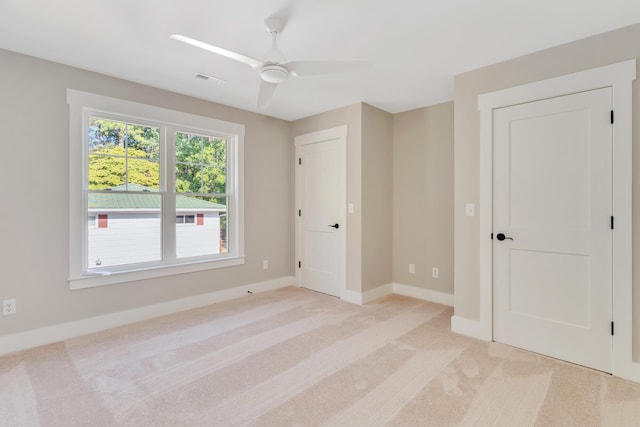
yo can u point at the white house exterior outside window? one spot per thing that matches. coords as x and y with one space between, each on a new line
153 192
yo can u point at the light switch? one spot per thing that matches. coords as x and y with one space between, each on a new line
350 208
471 209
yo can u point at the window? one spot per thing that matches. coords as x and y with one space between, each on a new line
185 219
159 190
197 219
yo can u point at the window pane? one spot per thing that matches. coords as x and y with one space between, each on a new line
107 171
214 179
129 230
188 148
215 165
207 235
143 175
143 141
104 135
201 164
188 178
123 156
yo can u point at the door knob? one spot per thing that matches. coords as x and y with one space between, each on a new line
336 225
502 237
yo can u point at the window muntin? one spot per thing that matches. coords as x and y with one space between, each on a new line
152 132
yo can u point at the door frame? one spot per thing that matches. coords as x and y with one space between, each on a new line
339 132
619 77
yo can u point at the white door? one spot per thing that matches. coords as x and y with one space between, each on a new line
552 227
321 202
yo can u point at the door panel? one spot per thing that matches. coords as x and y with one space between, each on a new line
322 196
541 282
549 168
553 197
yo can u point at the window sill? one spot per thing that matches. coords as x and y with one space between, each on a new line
111 278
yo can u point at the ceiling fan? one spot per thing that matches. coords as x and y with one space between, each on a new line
274 68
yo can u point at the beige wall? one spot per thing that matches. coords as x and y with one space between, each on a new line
35 196
377 197
423 197
352 117
608 48
34 186
369 189
34 199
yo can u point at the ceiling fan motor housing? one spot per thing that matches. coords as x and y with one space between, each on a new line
274 73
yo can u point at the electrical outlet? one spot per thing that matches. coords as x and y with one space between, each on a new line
435 272
412 269
265 264
8 307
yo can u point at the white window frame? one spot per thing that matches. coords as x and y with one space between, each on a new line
83 103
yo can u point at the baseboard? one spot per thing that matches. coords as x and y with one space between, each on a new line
63 331
377 293
368 296
396 288
423 294
351 296
469 328
629 370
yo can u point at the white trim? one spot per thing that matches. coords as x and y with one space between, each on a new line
63 331
122 107
469 328
605 76
397 289
352 297
377 293
368 296
103 278
619 77
322 135
338 132
423 294
359 298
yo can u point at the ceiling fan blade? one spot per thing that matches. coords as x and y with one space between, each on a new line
265 93
252 62
316 68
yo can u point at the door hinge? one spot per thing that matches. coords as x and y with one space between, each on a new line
299 212
299 264
299 160
612 222
611 116
491 236
612 328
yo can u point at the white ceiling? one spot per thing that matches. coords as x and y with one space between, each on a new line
416 46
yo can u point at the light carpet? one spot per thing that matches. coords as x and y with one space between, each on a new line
293 357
